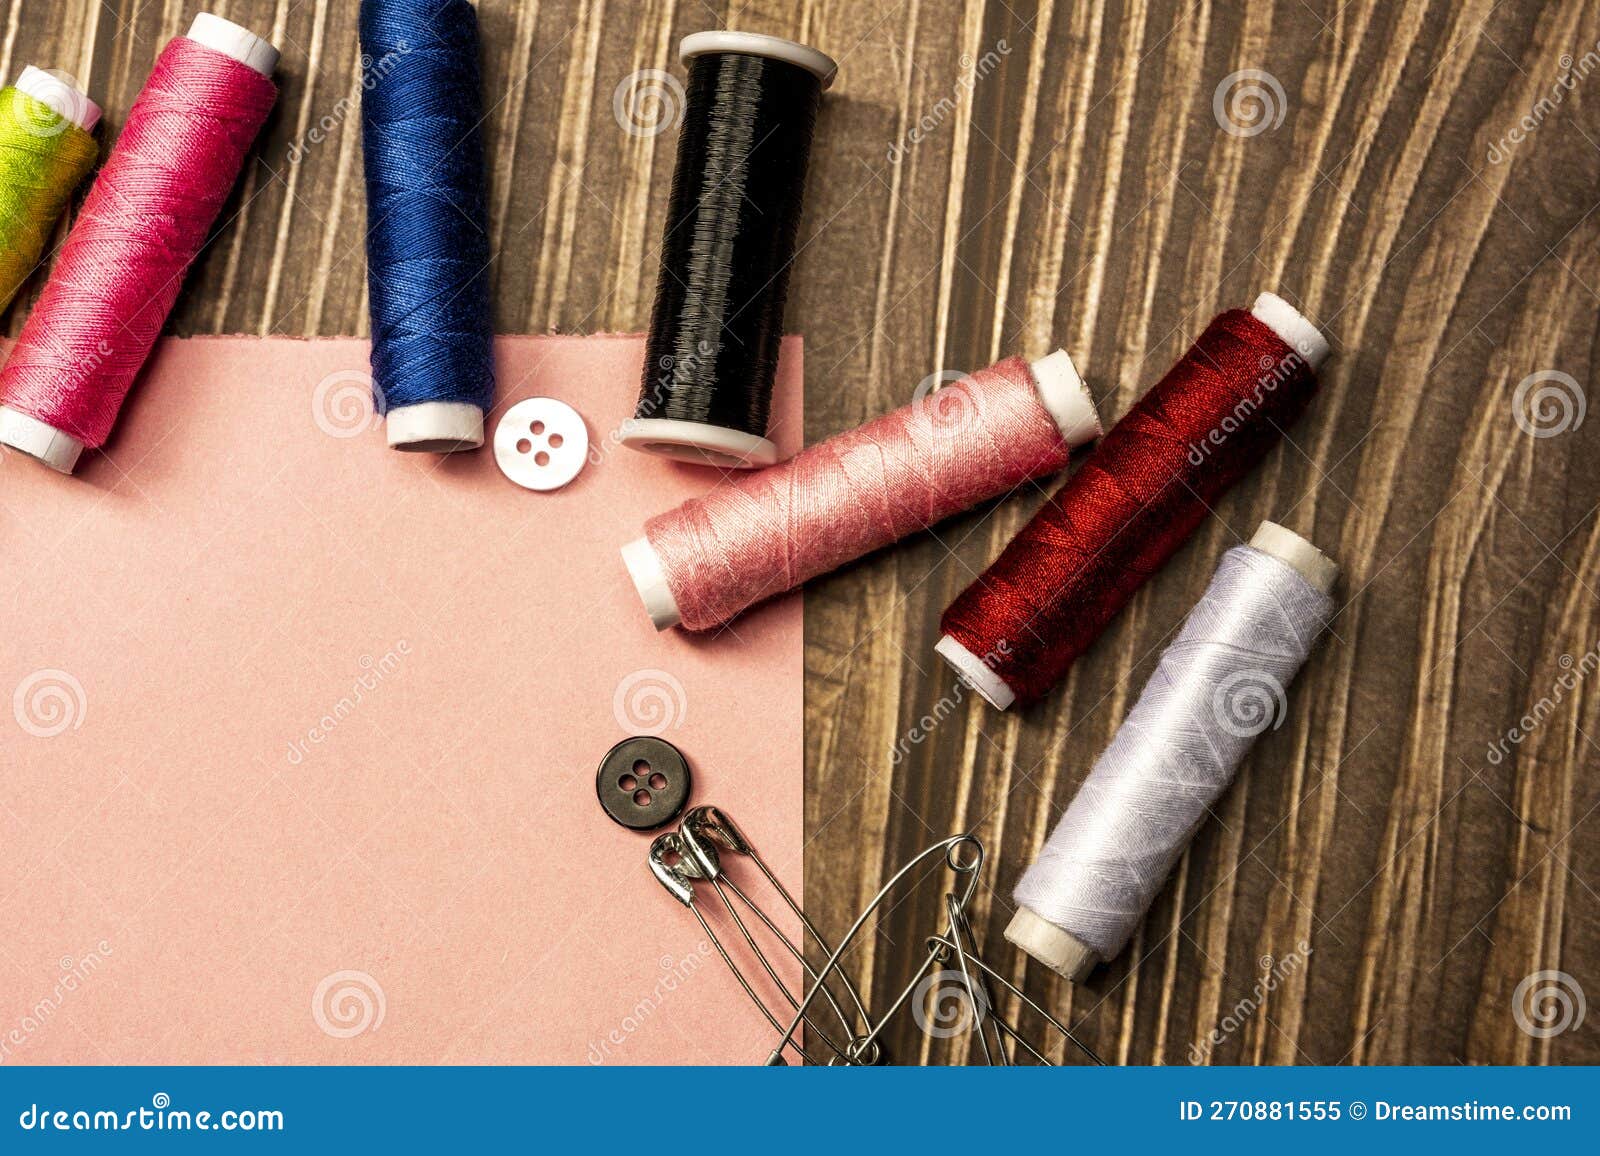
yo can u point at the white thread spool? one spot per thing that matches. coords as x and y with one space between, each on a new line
1062 393
20 431
1055 947
1298 333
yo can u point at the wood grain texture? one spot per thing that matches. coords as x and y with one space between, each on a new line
997 177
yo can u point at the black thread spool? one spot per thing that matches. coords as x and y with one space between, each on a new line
732 227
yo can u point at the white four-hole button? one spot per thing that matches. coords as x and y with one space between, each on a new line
541 443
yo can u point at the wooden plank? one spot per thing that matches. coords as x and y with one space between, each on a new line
994 177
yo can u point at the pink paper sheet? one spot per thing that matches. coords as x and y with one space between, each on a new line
298 735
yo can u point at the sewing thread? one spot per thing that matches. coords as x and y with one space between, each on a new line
763 533
43 158
428 256
731 232
144 222
1220 685
1135 500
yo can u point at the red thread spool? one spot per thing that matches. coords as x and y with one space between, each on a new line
1014 632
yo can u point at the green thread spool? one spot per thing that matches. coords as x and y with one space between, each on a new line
46 149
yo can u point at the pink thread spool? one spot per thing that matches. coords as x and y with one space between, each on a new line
79 353
770 531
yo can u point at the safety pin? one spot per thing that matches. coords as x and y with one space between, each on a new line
964 856
692 854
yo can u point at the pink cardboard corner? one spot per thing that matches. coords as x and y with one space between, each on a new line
298 734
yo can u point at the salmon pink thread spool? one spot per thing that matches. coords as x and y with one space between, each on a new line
1014 632
143 224
770 531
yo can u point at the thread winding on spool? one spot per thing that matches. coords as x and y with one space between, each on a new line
732 224
767 532
428 223
141 227
1217 687
1013 633
45 152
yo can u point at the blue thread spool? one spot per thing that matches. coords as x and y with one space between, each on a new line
428 223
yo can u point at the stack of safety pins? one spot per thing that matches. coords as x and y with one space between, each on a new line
828 1021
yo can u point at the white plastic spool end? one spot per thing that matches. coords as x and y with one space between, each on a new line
61 93
975 673
1056 949
1285 545
28 435
819 64
1293 326
697 443
1066 398
435 427
650 580
232 40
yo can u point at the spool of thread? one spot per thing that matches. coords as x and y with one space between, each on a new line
428 223
1217 687
767 532
732 225
1013 633
142 225
45 152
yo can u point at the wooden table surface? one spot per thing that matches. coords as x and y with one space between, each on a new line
990 178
